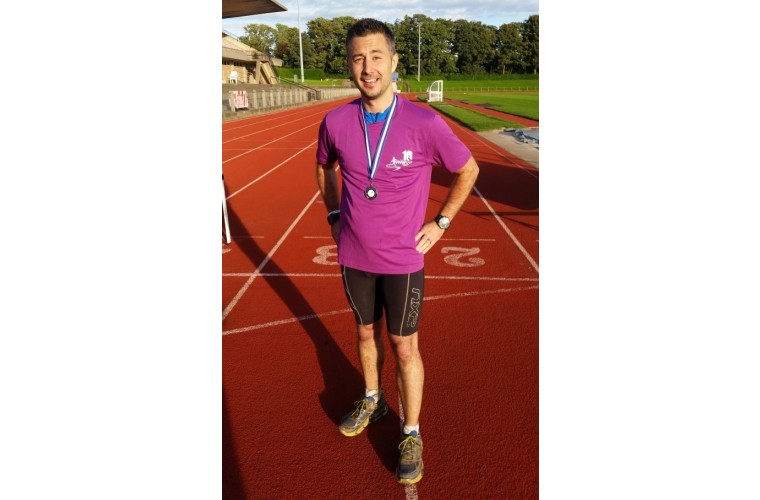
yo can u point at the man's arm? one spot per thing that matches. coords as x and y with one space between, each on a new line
458 193
327 182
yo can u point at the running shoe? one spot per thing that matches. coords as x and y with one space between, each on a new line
410 469
365 411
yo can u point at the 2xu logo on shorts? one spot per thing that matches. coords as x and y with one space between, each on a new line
414 309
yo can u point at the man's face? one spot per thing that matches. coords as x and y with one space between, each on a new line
371 64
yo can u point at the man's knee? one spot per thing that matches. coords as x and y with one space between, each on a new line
368 332
405 348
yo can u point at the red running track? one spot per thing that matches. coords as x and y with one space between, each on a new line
290 369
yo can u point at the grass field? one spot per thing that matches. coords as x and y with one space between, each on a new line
492 94
520 104
471 85
325 83
448 85
456 86
472 119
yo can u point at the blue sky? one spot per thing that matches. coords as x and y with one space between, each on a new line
492 12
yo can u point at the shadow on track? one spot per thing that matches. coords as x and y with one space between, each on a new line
507 185
232 481
342 381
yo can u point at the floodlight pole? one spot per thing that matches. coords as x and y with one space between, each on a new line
418 51
300 43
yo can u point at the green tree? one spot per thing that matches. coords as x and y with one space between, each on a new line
288 49
430 41
447 47
442 59
530 36
329 40
405 33
336 62
510 49
324 38
319 32
474 46
260 36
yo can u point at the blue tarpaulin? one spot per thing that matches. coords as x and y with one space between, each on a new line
528 135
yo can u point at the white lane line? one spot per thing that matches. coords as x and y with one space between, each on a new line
256 120
514 239
283 275
480 278
334 275
442 239
467 239
347 310
281 124
481 292
284 321
410 490
270 171
266 260
270 142
275 116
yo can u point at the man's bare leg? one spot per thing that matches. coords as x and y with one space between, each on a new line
410 375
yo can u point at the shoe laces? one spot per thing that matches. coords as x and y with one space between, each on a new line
361 405
408 445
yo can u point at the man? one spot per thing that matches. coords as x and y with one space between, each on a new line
385 147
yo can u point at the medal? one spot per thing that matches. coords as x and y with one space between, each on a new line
371 193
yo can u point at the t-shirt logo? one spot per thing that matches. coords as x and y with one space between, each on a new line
396 164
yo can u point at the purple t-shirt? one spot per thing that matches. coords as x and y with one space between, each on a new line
377 235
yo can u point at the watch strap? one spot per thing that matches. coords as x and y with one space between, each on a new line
333 217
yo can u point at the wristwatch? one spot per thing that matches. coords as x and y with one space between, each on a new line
443 221
333 217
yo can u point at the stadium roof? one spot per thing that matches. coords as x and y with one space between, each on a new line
238 8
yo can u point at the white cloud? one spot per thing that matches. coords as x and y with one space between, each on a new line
491 12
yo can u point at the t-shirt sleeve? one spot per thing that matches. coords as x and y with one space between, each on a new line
448 150
325 150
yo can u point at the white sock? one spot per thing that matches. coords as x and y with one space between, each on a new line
374 394
409 428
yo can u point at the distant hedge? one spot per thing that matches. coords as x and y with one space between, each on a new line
318 74
457 77
308 74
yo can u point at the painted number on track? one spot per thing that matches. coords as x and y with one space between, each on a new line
455 256
327 255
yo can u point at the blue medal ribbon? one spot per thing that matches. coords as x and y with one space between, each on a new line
373 161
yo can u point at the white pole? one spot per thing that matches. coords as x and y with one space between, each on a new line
227 238
418 52
300 43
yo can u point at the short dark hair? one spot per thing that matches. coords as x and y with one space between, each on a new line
367 26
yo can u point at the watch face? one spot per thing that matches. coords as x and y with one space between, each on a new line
443 222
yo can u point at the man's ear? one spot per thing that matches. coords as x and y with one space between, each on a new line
395 61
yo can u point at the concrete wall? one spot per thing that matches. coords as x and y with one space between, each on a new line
264 98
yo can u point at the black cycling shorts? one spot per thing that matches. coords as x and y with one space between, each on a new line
399 295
